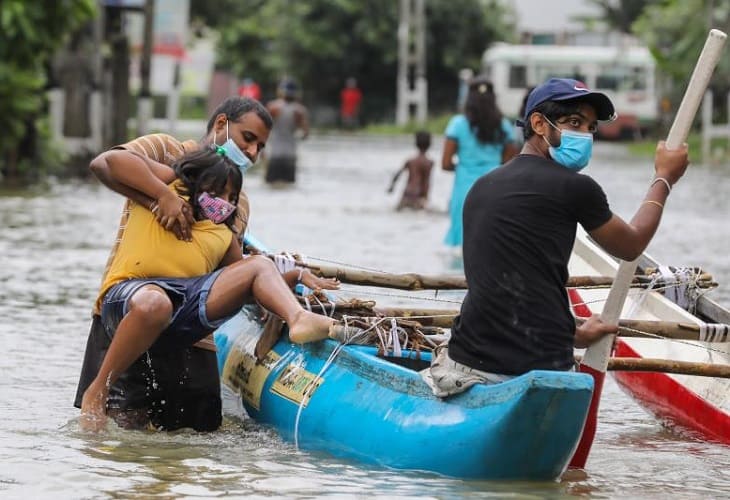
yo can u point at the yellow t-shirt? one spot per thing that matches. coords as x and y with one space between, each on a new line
147 250
165 149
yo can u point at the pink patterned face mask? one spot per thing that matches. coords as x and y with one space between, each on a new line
217 210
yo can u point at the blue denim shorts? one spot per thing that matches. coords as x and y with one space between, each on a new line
189 321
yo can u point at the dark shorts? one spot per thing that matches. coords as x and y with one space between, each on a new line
170 390
189 320
172 386
281 170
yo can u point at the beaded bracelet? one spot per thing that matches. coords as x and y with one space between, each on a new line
662 179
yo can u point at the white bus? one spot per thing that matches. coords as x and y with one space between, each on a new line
626 75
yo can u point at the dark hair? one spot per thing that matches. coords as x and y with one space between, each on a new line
235 107
482 112
553 111
423 140
206 170
523 106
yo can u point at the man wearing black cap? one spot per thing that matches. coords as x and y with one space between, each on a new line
519 228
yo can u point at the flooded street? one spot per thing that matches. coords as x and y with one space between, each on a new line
54 243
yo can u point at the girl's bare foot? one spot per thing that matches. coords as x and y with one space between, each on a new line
308 327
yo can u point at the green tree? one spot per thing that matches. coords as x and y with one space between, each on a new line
619 15
675 31
322 42
29 36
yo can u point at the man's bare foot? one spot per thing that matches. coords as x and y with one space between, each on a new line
308 327
93 410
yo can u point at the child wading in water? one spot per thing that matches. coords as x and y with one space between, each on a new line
419 167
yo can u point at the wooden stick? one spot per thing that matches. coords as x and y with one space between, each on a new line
444 318
668 366
668 329
415 281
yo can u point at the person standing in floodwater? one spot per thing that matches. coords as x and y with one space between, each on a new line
289 117
350 99
477 142
415 195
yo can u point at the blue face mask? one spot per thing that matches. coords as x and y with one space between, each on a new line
575 149
234 153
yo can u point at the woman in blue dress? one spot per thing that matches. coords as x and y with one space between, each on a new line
477 142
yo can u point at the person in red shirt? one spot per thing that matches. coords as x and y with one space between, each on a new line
249 88
350 98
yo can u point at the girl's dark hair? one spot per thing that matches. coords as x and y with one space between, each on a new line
482 112
207 171
553 111
235 107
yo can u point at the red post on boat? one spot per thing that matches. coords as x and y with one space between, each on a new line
580 457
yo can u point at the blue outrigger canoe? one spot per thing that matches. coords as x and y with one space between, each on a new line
375 409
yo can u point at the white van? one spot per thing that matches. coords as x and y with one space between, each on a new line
625 74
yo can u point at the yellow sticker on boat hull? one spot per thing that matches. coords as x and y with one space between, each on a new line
296 384
244 375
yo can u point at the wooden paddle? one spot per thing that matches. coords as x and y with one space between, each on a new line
597 356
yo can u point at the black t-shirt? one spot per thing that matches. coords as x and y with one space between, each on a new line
519 229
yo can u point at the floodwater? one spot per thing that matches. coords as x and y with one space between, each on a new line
54 242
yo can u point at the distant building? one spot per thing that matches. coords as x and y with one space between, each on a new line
560 23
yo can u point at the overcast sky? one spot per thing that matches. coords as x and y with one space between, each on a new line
552 15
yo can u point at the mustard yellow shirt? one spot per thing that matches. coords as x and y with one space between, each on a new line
147 250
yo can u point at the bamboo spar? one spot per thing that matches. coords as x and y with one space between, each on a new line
444 318
416 281
669 366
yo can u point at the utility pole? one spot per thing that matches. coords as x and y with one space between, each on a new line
144 100
117 78
412 86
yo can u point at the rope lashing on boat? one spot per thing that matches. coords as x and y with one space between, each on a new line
677 294
395 339
324 308
690 343
330 359
284 262
713 332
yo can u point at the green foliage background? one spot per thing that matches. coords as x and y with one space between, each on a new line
322 42
30 33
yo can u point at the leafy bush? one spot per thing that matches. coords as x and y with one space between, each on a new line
30 33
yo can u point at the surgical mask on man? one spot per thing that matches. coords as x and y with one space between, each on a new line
215 209
575 149
234 153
